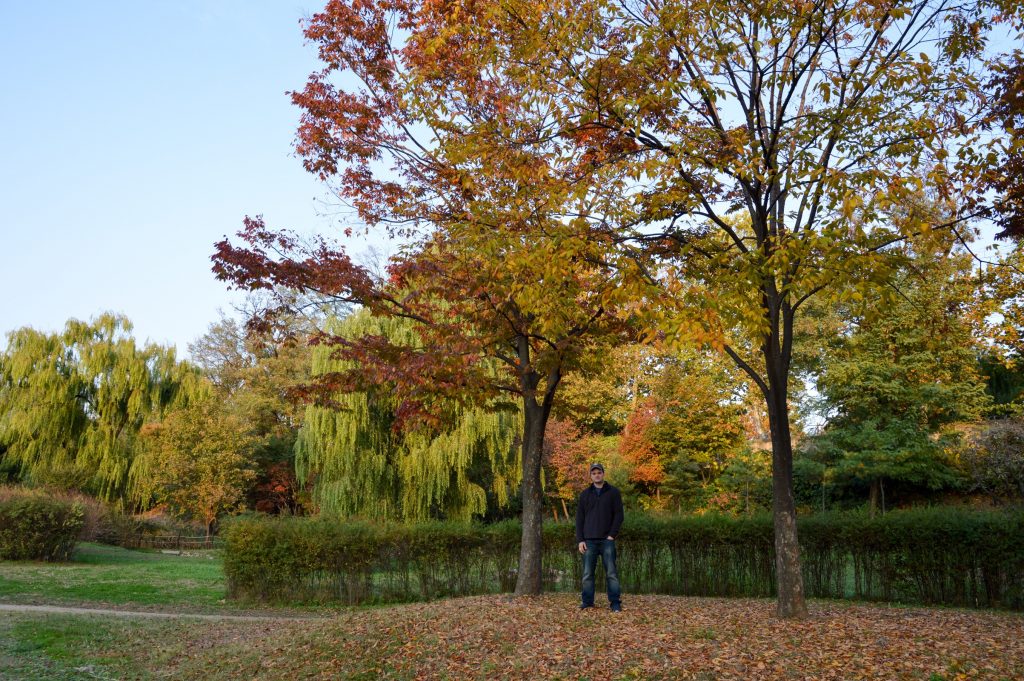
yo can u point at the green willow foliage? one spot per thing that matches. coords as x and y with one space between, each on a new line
72 403
361 466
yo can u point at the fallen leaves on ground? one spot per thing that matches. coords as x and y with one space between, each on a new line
656 637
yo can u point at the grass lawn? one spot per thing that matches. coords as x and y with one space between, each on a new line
66 647
113 576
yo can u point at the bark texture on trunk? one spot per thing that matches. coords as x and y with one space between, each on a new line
777 352
789 578
535 419
876 497
528 579
774 386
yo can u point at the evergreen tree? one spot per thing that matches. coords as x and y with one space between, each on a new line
901 379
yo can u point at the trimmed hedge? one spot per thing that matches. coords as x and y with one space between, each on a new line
949 556
34 526
282 559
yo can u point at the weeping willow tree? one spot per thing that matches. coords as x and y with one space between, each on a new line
72 403
361 466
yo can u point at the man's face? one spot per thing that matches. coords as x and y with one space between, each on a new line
597 475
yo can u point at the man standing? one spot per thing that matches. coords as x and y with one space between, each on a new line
598 519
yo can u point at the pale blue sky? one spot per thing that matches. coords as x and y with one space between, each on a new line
133 135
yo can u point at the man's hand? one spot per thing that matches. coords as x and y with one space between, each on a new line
583 547
611 538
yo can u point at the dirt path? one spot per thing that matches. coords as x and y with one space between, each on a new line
64 610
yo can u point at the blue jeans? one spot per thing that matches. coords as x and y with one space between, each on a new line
605 549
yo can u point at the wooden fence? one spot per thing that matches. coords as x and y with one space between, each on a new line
171 541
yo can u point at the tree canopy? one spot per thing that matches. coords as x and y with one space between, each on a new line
256 376
707 166
72 403
198 461
901 381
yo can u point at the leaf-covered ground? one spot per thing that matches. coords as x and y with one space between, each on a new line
669 637
656 637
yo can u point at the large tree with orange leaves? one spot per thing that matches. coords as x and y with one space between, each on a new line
487 328
727 160
506 274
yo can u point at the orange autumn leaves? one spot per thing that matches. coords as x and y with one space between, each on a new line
655 637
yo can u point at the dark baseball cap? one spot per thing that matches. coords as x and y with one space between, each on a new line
597 466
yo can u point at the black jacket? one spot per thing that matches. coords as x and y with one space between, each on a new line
599 516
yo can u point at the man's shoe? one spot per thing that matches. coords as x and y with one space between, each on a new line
616 608
584 606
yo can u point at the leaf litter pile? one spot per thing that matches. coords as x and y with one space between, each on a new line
656 637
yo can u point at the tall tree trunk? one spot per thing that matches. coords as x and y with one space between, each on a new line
535 421
777 352
528 579
789 579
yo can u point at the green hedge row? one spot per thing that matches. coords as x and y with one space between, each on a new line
34 526
946 556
